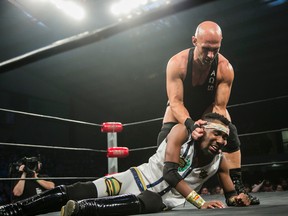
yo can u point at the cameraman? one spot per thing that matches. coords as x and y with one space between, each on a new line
29 168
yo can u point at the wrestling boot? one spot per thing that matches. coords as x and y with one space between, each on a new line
48 201
115 205
126 204
236 177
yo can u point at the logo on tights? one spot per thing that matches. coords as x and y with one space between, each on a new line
183 164
113 186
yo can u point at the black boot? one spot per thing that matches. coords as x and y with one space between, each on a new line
48 201
236 177
116 205
127 204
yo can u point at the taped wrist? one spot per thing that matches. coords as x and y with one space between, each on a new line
190 125
230 198
170 173
195 199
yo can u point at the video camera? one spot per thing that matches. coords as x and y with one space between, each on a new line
31 165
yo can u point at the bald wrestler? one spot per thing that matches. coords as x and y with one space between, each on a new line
199 80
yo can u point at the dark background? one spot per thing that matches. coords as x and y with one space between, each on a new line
122 79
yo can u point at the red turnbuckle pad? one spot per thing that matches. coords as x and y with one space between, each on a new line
118 152
110 127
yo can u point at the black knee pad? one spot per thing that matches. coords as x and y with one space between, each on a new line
81 190
151 202
233 141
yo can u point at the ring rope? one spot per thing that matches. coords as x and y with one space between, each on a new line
68 148
52 147
131 150
263 132
246 134
49 117
140 122
49 178
263 164
258 101
94 178
125 124
143 148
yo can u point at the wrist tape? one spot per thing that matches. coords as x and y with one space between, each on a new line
195 199
230 194
230 198
231 201
190 125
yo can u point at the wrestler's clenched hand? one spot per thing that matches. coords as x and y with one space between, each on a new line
242 200
198 131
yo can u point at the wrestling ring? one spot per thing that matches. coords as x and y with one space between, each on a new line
271 202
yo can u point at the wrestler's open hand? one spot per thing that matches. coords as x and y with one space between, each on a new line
198 131
242 200
213 204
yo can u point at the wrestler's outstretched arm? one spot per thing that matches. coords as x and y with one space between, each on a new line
232 198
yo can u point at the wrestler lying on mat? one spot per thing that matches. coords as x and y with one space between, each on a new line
172 175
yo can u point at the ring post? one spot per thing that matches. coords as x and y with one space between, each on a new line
112 128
